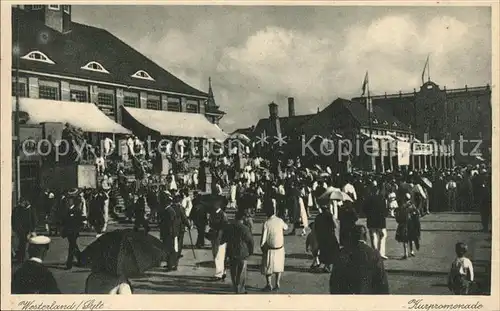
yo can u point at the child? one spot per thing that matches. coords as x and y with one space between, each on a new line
392 203
312 245
462 272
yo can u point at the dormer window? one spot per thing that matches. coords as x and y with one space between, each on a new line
54 7
95 66
394 123
66 8
375 121
386 123
38 56
37 7
141 74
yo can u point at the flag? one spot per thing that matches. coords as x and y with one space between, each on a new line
365 84
426 66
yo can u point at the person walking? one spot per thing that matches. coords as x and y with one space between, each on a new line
408 230
141 207
326 227
218 221
33 277
272 244
376 212
168 225
181 224
359 269
72 222
240 246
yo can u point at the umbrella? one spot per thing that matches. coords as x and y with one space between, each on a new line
332 193
241 137
124 253
426 182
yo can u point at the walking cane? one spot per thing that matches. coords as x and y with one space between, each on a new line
192 246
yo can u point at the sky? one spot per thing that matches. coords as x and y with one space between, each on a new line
259 54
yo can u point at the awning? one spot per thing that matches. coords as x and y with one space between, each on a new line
169 123
80 115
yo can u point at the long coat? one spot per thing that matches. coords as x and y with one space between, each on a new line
325 229
359 269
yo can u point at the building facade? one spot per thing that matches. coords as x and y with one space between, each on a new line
443 114
58 59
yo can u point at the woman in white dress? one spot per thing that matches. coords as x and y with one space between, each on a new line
273 248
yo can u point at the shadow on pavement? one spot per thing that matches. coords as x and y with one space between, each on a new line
299 256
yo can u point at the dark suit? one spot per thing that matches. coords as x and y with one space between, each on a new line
181 224
24 222
33 278
72 221
168 233
359 269
240 246
376 211
199 217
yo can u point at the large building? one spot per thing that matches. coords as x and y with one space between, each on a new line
63 60
67 72
441 113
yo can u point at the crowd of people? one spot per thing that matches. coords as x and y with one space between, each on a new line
289 197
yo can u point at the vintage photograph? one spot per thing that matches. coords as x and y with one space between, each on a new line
245 149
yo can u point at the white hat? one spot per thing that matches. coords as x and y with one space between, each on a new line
39 240
408 196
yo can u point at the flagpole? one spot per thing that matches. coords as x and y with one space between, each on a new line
428 68
370 118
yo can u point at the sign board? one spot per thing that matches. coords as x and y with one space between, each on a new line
422 149
30 137
403 153
86 176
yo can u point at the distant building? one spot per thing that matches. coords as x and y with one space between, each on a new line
442 113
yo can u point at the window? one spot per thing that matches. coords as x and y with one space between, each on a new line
37 7
55 7
141 74
174 104
95 66
106 102
67 8
192 106
23 87
38 56
456 118
48 90
131 100
79 93
394 123
386 123
375 121
153 102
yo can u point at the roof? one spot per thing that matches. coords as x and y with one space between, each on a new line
288 125
86 116
169 123
246 131
83 44
381 118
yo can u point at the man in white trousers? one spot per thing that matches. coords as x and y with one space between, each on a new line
376 212
218 222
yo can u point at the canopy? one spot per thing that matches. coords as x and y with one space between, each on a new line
80 115
169 123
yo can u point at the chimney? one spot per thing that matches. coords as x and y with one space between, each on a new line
291 107
273 110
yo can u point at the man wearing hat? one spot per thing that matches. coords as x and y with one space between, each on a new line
24 222
72 222
359 269
33 277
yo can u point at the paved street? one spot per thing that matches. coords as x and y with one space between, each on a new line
424 274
